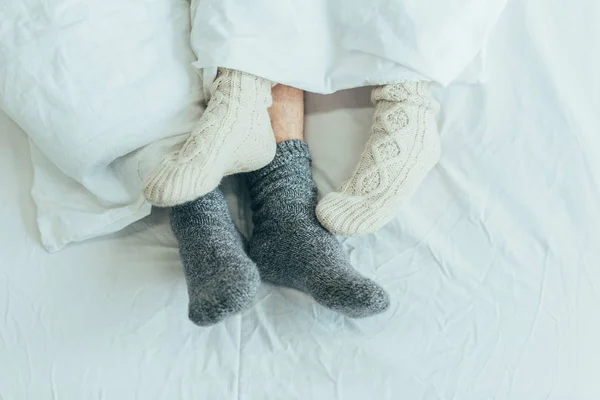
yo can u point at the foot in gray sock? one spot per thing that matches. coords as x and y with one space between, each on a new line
222 280
290 246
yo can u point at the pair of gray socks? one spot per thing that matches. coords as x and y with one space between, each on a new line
289 247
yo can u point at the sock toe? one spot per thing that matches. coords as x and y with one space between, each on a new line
369 299
353 296
347 215
177 183
211 311
210 307
206 313
333 212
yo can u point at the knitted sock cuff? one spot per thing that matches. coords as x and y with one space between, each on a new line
287 152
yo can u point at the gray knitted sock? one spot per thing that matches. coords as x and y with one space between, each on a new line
292 249
222 280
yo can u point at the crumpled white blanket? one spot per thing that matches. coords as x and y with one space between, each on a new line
92 83
98 86
324 46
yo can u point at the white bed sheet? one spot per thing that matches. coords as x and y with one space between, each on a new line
493 267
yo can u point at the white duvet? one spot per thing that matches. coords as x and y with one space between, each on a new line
96 85
327 45
492 267
91 83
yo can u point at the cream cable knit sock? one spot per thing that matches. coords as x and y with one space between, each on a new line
233 135
403 147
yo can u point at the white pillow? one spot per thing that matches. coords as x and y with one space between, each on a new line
91 82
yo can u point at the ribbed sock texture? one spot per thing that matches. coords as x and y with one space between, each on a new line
222 280
291 248
403 147
233 135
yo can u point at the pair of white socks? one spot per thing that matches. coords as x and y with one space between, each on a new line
234 135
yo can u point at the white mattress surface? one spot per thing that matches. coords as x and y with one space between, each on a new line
493 267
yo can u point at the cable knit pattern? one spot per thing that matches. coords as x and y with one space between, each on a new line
233 135
291 248
403 147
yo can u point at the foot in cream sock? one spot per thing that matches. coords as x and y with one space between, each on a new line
404 146
233 135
